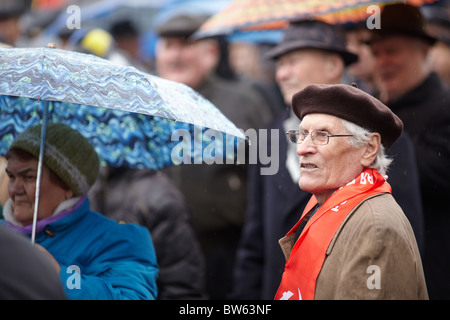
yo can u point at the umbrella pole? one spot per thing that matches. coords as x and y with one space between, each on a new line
39 171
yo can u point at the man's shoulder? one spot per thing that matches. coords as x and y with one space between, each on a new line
378 217
381 210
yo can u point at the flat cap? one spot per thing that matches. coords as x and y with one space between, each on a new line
352 104
181 26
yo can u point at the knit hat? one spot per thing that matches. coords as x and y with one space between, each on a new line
351 104
67 153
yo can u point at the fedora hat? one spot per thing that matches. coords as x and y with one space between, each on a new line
401 19
313 34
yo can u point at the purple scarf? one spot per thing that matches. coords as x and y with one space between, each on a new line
41 224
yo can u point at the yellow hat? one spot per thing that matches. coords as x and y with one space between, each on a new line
97 41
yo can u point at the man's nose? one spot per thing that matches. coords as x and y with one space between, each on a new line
307 146
282 73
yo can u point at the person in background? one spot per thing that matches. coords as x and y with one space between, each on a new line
216 193
353 240
127 43
438 25
247 59
149 198
361 72
94 257
98 42
419 98
10 14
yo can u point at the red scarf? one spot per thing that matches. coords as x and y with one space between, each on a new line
308 254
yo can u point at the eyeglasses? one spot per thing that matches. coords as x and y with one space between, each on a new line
317 137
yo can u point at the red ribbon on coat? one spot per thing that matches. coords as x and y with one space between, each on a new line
309 251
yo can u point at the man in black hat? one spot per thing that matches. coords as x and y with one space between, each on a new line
310 52
417 95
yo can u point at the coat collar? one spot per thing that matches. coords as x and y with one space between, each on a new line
64 209
287 242
419 94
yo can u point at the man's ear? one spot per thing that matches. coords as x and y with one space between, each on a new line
211 53
334 67
68 194
371 149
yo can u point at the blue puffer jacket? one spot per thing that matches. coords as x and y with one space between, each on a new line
115 261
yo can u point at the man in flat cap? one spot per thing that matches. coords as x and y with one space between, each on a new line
417 96
353 240
216 193
311 52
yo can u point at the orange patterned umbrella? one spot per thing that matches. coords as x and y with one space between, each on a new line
248 15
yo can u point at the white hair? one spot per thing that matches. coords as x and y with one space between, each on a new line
361 138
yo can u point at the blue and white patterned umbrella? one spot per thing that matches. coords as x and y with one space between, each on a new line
129 116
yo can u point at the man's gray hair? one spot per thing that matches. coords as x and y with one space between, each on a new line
360 138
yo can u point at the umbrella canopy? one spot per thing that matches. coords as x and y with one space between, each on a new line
129 116
48 74
120 138
247 15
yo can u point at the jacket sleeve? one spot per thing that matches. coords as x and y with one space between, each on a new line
403 176
123 267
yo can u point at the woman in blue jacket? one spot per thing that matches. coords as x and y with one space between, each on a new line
96 257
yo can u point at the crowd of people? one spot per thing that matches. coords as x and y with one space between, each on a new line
357 105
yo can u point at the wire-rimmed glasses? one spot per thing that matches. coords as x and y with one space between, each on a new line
317 137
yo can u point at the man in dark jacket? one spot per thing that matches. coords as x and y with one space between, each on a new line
150 199
311 52
401 48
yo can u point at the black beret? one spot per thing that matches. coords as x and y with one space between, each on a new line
352 104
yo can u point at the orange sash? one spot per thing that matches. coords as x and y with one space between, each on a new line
308 254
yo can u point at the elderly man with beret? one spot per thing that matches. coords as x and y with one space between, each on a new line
353 240
95 257
311 52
